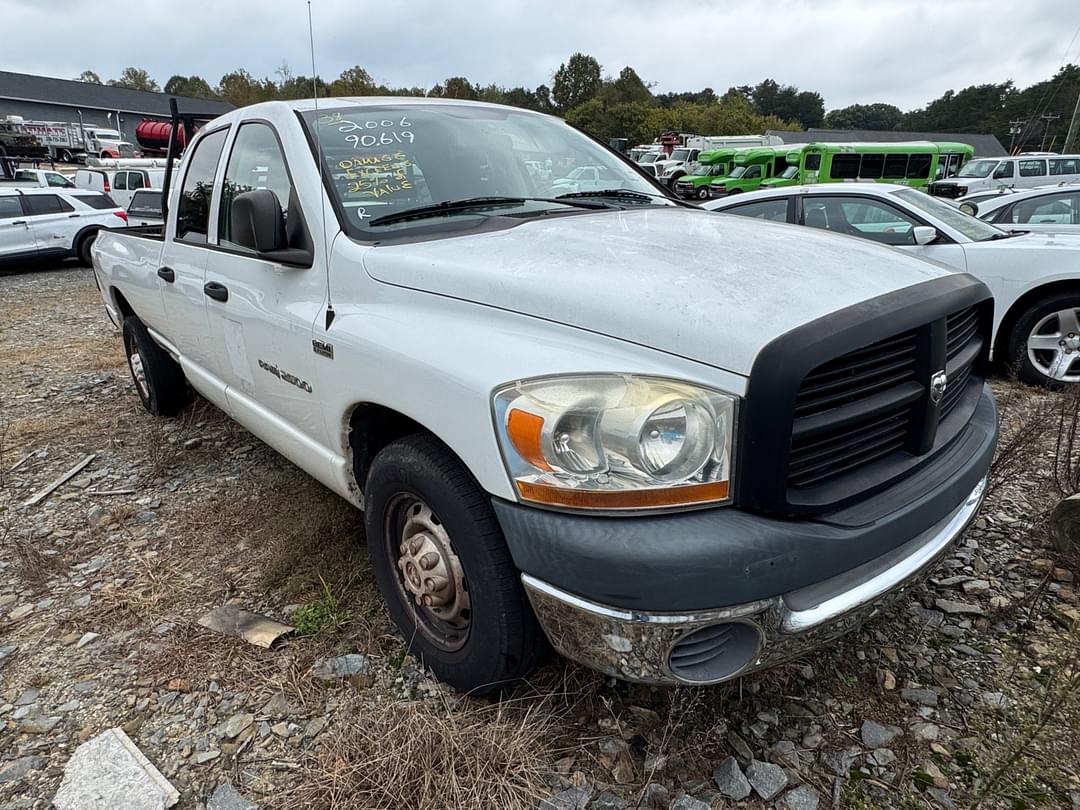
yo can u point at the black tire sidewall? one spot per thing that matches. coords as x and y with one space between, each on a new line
702 193
504 639
82 247
166 386
1017 343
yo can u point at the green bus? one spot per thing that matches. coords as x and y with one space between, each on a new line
709 166
752 167
915 163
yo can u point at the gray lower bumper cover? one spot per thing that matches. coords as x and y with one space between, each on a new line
636 645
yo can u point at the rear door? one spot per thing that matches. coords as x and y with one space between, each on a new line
54 222
183 267
263 329
16 236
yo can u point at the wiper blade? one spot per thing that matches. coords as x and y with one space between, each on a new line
453 206
623 193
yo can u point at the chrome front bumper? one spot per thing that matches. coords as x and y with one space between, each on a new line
638 646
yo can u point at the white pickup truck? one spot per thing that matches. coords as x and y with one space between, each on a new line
680 446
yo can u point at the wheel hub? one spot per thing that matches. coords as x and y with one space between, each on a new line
430 570
1053 346
138 371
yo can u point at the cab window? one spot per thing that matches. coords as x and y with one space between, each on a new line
58 180
256 162
120 181
812 163
860 216
10 207
193 216
773 210
1004 169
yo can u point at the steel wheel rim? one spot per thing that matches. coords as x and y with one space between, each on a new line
1053 346
428 572
138 370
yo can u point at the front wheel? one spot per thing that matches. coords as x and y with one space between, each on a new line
702 193
444 569
1045 341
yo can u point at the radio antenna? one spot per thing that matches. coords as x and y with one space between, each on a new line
319 156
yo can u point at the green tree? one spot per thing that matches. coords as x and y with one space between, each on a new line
865 116
88 76
354 81
240 88
195 86
787 102
626 88
576 81
134 78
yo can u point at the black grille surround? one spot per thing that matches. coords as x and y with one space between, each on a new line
825 424
949 189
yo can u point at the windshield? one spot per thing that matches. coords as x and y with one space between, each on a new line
680 154
974 229
651 157
385 159
977 168
106 134
789 172
738 171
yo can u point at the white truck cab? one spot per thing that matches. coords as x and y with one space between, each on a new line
677 446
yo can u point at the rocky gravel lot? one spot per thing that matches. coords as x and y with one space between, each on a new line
966 693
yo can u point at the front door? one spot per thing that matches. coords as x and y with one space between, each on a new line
263 328
16 235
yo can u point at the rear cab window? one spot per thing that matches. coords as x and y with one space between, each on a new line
197 192
145 204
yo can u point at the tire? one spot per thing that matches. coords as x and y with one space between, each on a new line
1054 360
702 193
65 156
158 378
82 248
484 635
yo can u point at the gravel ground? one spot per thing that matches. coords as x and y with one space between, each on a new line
965 693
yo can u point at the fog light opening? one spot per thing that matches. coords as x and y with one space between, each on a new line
714 653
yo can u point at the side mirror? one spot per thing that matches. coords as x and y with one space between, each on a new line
258 223
924 234
970 208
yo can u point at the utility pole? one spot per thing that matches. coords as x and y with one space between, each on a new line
1072 124
1047 117
1015 128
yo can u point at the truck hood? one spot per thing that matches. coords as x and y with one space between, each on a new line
704 286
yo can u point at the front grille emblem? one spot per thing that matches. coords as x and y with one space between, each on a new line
938 383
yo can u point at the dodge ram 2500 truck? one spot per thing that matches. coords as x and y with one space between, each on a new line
681 446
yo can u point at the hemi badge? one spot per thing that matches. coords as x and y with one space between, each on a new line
325 349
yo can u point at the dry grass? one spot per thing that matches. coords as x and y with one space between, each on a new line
418 754
76 354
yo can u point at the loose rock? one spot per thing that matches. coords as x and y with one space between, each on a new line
109 771
875 735
803 797
767 779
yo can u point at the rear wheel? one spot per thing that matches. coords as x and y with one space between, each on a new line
82 248
1044 343
158 378
65 156
444 569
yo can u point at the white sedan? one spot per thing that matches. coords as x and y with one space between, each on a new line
1051 209
1035 277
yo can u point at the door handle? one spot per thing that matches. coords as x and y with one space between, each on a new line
19 222
72 216
167 273
219 292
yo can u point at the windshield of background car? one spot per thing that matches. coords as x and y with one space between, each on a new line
651 157
738 171
977 168
974 229
789 172
387 159
680 154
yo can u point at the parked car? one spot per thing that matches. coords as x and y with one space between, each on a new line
584 178
680 445
119 183
145 208
1020 171
1054 209
40 223
38 178
671 168
1033 276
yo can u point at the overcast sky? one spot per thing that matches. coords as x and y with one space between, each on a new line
905 52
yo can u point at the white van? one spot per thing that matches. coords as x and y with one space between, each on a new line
120 184
1018 171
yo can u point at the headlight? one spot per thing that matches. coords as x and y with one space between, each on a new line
616 442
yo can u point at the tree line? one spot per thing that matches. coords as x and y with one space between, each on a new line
625 106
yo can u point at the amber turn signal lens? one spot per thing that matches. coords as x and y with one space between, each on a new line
623 498
524 429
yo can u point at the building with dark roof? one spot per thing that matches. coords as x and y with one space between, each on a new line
984 145
42 98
